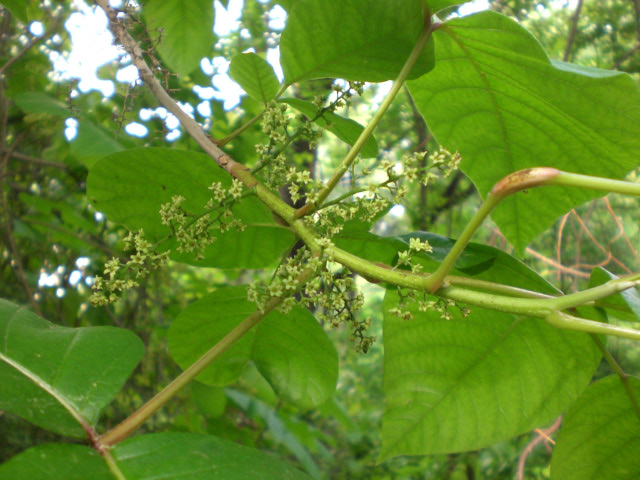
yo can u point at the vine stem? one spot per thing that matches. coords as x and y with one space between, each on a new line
569 322
119 29
136 419
373 123
509 185
113 466
223 141
131 423
516 182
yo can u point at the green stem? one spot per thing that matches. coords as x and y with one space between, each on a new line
130 424
624 377
111 463
355 191
569 322
437 277
235 133
515 182
511 301
566 179
373 123
596 293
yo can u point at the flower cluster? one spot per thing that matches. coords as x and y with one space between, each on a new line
120 276
275 122
193 232
415 246
445 161
404 311
332 295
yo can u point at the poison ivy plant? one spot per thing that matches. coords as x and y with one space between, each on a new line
240 258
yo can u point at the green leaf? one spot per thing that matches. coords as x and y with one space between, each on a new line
600 435
365 40
480 261
345 129
151 457
197 457
294 354
203 324
254 74
495 97
436 5
40 103
92 143
18 8
477 260
56 461
184 31
56 376
277 428
130 186
291 351
467 383
287 4
624 305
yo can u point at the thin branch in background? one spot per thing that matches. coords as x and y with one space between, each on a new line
16 261
543 435
598 245
630 53
636 7
580 236
38 161
622 233
626 56
89 241
563 222
30 44
561 268
572 32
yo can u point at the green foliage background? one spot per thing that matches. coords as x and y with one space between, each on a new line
254 399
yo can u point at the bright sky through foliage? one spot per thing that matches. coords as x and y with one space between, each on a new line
93 49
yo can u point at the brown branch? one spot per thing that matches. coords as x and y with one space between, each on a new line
636 7
626 56
39 161
542 436
554 264
118 27
7 221
89 241
572 32
30 44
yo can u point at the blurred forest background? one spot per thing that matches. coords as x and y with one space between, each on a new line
52 242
